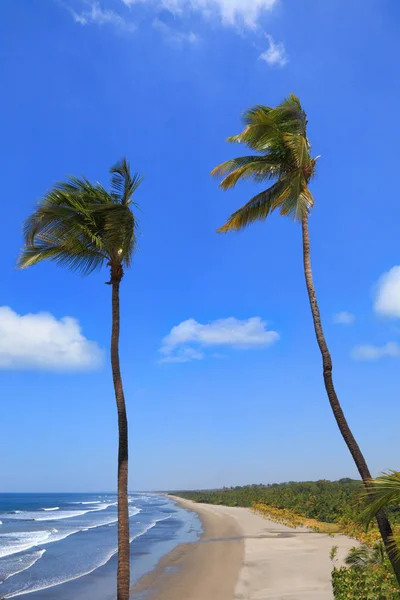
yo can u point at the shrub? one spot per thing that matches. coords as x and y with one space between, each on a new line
376 583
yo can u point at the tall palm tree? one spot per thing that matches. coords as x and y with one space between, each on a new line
82 226
278 136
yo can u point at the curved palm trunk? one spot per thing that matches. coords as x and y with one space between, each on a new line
123 574
383 523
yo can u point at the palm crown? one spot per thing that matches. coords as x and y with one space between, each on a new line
279 136
81 225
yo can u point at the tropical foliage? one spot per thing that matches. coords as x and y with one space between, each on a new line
374 583
369 575
314 504
326 501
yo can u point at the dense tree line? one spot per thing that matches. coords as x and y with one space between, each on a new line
324 500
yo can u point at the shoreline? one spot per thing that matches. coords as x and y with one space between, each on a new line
180 575
244 556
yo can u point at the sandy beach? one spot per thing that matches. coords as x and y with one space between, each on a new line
242 556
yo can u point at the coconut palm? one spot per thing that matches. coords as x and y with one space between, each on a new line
281 150
83 226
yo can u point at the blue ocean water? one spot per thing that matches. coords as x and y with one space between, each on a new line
64 545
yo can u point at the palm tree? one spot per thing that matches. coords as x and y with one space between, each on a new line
278 136
82 226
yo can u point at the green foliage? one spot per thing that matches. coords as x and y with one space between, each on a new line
80 225
383 492
333 553
279 136
364 557
326 501
374 583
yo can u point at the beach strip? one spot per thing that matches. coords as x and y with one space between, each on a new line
243 556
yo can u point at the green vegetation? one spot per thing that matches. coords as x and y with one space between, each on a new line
326 501
370 575
375 583
280 154
314 504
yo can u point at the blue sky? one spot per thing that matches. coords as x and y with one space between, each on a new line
211 402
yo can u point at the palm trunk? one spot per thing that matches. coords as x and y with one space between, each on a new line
123 573
383 523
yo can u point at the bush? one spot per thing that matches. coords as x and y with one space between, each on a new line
375 583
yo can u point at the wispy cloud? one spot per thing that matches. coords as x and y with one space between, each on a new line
174 36
371 352
229 12
275 55
343 318
93 13
124 15
187 341
41 342
387 298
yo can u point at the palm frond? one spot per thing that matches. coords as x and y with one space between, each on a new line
123 184
257 209
76 259
380 493
363 557
259 168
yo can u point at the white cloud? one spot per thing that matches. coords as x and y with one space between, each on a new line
343 318
370 352
249 333
387 299
229 12
181 355
174 36
40 341
275 55
92 12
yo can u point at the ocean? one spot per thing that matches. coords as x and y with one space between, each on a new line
63 546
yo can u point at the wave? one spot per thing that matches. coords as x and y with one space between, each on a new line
54 508
62 514
20 564
12 543
91 502
73 578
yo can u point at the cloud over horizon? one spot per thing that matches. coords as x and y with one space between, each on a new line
245 334
41 342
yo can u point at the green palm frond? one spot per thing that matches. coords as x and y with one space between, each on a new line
80 225
258 208
279 136
124 184
362 557
258 168
380 493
